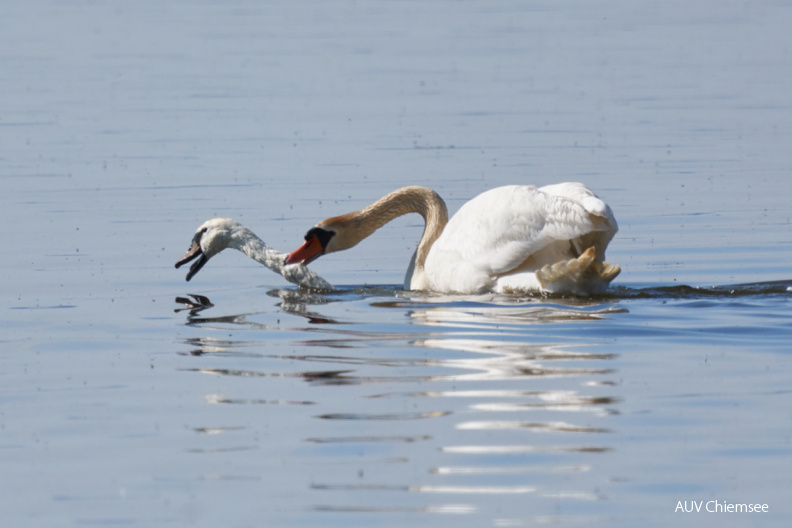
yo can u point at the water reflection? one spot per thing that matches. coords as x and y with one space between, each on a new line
521 449
194 303
510 490
381 417
475 315
541 427
502 470
357 439
220 399
436 508
475 397
321 376
462 400
447 309
495 362
499 360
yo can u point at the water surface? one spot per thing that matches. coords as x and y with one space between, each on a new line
126 402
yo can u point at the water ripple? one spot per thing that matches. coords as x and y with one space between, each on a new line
485 398
543 427
394 416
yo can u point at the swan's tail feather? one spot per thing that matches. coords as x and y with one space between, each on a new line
581 276
607 271
569 271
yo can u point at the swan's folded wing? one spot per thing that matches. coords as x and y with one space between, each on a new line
582 195
500 229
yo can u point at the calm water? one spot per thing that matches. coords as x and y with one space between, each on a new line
124 127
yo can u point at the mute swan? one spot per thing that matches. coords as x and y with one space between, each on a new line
217 234
512 239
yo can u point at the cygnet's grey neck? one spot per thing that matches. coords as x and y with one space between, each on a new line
244 240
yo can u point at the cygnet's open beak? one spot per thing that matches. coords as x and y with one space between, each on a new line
193 252
307 253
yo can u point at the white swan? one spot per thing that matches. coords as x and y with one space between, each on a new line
217 234
506 240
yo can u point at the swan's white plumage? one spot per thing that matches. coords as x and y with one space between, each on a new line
511 239
498 240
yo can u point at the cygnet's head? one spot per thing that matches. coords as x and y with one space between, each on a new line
211 238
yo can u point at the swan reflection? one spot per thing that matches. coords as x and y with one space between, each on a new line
474 396
542 427
499 360
473 315
521 449
504 470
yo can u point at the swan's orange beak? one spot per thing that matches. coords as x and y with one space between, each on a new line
307 253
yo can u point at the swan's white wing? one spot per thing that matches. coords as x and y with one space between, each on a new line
598 211
579 193
501 230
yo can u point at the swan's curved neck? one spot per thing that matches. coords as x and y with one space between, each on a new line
353 227
246 241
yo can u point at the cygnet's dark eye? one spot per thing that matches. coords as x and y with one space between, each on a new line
199 234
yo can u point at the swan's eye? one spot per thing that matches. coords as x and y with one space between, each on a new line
321 234
204 230
313 232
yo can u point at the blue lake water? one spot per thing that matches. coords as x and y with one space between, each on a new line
124 127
